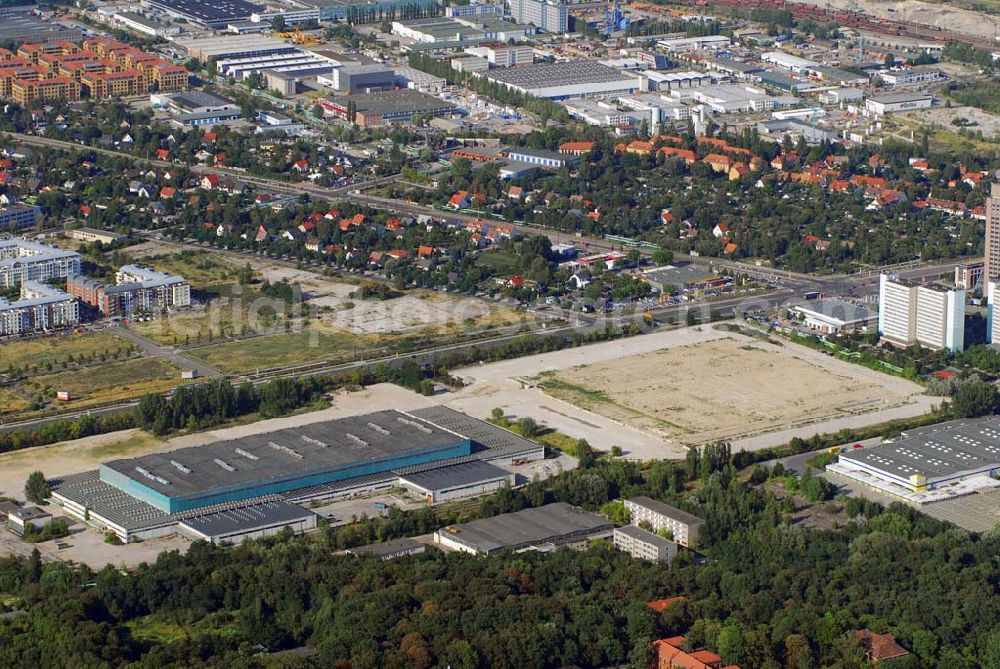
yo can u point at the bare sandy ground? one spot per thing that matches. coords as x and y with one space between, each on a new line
509 385
928 13
717 390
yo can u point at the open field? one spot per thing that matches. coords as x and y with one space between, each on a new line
743 390
279 349
12 402
202 269
110 382
717 390
54 350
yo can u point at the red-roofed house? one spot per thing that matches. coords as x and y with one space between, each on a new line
718 162
720 230
660 605
459 200
576 148
879 647
167 192
162 154
670 655
210 181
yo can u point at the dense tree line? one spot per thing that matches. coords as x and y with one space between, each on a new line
772 593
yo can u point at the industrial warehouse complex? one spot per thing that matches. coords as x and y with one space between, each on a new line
436 452
929 464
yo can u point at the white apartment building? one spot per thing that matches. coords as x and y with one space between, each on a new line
643 545
153 289
40 308
931 315
22 260
992 320
897 310
685 526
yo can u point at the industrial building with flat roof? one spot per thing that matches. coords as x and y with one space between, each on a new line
24 27
388 107
930 463
458 481
208 49
389 550
569 79
340 459
540 528
207 13
249 522
277 462
879 105
835 316
23 260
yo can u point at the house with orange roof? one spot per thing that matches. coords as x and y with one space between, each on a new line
688 155
730 248
660 605
840 186
162 154
718 162
807 178
879 647
666 217
459 200
425 251
576 148
720 230
167 192
738 171
639 147
670 654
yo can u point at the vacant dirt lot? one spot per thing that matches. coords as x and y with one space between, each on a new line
721 389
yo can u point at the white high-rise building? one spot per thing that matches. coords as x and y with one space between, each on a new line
549 16
932 315
897 310
992 319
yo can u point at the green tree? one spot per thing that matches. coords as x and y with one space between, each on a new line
36 488
974 399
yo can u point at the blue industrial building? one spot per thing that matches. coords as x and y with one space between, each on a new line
276 462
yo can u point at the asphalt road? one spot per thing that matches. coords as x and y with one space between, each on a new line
150 347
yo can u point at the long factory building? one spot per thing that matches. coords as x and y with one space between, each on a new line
436 452
929 464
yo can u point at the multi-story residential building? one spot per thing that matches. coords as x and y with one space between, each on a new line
932 315
549 16
18 216
991 267
22 260
941 317
24 92
685 526
642 544
102 68
41 307
897 310
137 290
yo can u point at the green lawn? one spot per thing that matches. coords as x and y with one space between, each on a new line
110 382
280 349
200 268
54 350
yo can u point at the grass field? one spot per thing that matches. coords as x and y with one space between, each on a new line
114 381
201 268
279 349
168 628
56 349
12 403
